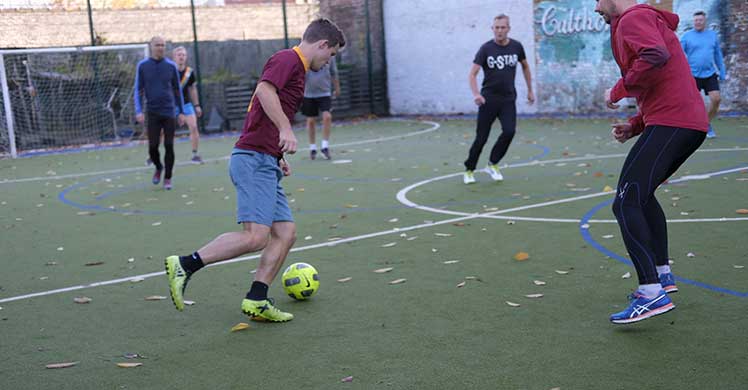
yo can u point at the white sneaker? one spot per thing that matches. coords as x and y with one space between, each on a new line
468 177
493 170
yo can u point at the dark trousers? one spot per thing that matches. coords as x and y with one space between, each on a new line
493 108
657 154
156 123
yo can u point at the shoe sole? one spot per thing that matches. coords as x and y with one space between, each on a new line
169 276
670 289
253 316
658 311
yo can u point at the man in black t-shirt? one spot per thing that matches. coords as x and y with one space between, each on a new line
192 109
498 58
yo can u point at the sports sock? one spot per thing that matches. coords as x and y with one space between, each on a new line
325 144
258 291
663 269
312 147
650 290
191 263
194 152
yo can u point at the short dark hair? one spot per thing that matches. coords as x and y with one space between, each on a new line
699 13
324 29
502 16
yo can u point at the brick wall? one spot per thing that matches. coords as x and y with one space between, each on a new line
49 28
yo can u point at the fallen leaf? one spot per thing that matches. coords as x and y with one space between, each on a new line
50 263
473 278
156 223
60 248
343 280
93 263
598 174
129 365
491 209
301 190
585 226
389 245
521 256
347 379
608 236
334 238
131 260
627 275
607 189
434 250
82 299
742 211
155 298
738 266
240 326
459 224
86 213
350 206
451 261
461 284
534 295
510 222
307 238
539 282
398 281
512 304
442 234
690 254
189 303
412 238
61 365
136 280
570 185
393 220
383 270
562 272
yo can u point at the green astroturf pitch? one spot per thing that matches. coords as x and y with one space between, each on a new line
90 224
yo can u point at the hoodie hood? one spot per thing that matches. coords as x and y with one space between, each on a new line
670 19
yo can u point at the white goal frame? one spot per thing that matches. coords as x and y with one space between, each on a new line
4 80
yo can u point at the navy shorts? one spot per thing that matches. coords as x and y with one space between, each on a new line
259 195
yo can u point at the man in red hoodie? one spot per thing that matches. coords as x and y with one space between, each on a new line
672 123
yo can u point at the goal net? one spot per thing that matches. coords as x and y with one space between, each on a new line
64 97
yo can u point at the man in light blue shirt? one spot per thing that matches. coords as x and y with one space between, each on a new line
703 52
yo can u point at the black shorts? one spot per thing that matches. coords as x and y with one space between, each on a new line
708 84
313 106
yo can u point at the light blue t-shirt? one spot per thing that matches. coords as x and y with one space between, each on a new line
703 52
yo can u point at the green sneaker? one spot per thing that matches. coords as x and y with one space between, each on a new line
493 170
264 309
178 279
468 177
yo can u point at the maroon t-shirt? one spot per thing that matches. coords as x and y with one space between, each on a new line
286 70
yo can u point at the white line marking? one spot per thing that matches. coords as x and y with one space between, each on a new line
434 126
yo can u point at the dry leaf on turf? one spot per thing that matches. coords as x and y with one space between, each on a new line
86 213
473 278
82 299
738 266
451 261
534 295
129 365
393 220
343 280
61 365
459 224
383 270
598 174
398 281
562 272
521 256
189 303
626 275
607 189
443 234
512 304
539 282
461 284
347 379
742 211
434 250
155 298
240 326
350 206
608 236
158 223
136 280
690 254
389 245
412 238
93 263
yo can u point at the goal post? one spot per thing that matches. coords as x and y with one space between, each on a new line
55 98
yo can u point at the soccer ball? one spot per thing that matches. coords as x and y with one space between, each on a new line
300 281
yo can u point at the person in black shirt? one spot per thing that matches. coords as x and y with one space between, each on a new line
498 58
192 109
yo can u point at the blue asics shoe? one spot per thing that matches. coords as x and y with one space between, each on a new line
642 308
711 133
668 283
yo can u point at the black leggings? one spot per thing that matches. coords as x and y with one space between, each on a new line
157 122
657 154
493 108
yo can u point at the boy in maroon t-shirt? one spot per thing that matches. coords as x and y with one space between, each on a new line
256 167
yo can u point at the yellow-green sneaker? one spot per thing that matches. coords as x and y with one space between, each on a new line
178 279
493 170
264 309
468 177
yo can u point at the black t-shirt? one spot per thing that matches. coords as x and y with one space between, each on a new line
186 80
499 65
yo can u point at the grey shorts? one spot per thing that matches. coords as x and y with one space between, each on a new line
259 195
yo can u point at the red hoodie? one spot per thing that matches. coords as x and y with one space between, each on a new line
655 71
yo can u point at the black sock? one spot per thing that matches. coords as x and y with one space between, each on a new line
191 263
258 291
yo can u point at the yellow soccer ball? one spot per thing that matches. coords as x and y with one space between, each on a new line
300 281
